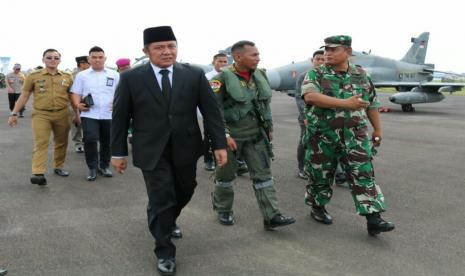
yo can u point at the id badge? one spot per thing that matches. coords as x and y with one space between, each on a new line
110 81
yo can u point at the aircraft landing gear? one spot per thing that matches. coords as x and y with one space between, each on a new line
408 108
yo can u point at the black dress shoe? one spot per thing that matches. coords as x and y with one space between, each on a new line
166 266
105 172
225 218
38 179
376 225
176 233
92 175
321 215
60 172
277 221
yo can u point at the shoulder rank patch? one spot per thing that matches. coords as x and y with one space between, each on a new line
215 85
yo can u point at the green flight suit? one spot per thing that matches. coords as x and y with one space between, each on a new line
235 95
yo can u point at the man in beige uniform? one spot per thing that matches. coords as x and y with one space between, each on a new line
50 88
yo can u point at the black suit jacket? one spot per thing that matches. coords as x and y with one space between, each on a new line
139 97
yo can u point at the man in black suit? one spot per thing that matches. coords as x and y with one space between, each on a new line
161 98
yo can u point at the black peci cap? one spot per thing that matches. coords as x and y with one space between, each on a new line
158 34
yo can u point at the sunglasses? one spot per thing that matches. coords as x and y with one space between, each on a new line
55 58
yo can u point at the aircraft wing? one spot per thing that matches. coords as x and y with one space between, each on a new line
438 86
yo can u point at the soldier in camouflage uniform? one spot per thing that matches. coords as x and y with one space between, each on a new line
244 97
342 98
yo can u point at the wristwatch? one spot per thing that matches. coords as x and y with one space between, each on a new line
13 114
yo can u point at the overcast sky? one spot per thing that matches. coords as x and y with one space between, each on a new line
284 31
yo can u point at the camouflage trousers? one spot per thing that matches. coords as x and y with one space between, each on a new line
258 160
352 148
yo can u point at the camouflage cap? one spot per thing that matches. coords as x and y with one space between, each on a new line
337 40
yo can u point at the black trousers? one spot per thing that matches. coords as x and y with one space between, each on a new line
12 98
300 148
169 189
95 132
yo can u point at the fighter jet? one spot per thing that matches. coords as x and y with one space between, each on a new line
411 76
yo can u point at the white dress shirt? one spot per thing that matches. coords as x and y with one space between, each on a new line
211 74
102 85
158 76
157 70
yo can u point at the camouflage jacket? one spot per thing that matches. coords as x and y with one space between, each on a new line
342 86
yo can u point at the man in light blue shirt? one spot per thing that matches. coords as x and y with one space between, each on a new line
99 84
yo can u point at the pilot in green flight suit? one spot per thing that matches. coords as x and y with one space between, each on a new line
242 91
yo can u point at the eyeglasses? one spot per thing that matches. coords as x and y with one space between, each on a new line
55 58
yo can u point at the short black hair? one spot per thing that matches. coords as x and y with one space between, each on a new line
238 46
219 55
50 50
318 52
96 49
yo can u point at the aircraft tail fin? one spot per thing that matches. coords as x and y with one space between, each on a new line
417 52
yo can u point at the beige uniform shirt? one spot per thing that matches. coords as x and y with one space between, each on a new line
51 92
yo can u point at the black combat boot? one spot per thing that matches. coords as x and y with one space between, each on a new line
241 167
278 221
209 166
226 218
376 225
340 179
320 214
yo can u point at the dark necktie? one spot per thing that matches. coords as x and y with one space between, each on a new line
165 84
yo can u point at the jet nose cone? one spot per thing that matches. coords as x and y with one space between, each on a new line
274 79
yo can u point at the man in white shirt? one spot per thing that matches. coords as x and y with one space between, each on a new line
100 83
219 61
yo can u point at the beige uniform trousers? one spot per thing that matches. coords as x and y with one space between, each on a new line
44 123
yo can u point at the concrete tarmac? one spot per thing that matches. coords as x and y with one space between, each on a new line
75 227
